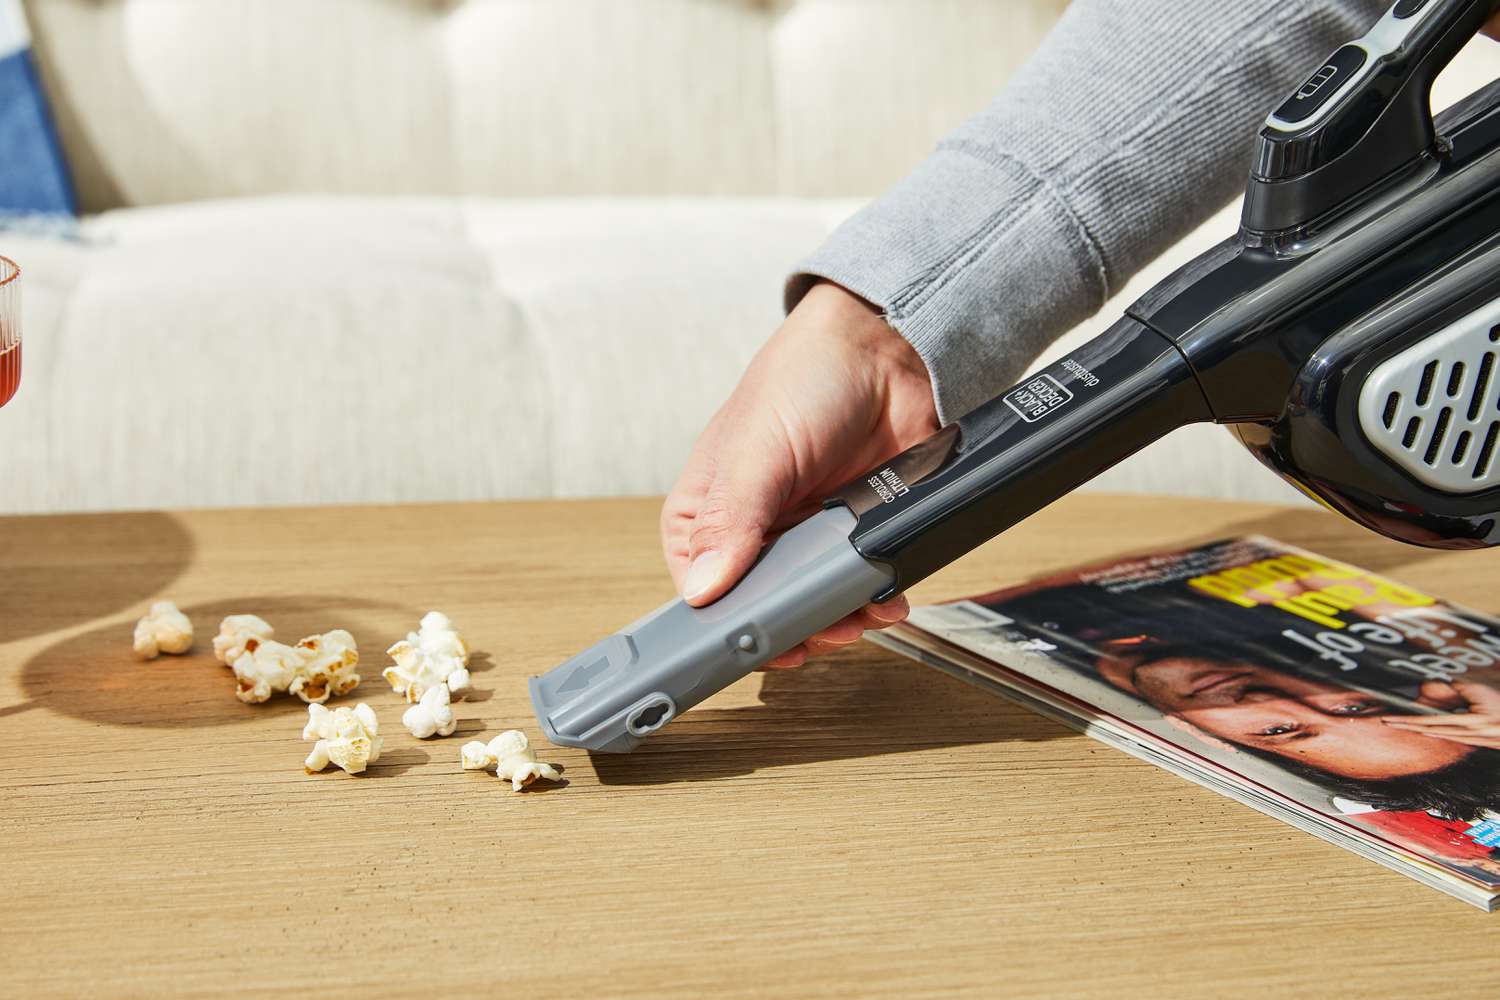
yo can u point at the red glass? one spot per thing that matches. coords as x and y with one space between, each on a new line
10 329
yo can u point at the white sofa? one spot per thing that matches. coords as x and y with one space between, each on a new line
382 250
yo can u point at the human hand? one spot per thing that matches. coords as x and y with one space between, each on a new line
833 393
1478 727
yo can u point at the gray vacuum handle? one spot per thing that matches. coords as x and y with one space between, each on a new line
617 692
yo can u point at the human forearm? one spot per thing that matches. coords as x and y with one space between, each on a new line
1131 123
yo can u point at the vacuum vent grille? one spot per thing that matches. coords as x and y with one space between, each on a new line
1434 409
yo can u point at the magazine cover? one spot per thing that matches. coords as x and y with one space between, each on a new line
1367 703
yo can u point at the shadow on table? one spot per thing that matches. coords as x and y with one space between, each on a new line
129 558
863 702
93 676
392 763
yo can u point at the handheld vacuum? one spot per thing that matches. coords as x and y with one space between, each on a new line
1348 335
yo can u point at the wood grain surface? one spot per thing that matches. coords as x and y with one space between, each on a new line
861 827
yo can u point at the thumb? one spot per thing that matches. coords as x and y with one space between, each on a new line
731 525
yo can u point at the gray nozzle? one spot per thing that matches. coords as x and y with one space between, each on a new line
616 693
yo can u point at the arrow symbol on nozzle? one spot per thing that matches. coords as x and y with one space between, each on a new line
580 678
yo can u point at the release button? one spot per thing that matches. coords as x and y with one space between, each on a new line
1322 86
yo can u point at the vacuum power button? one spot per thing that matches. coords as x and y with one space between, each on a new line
1322 86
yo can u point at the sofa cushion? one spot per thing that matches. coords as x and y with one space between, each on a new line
311 350
334 350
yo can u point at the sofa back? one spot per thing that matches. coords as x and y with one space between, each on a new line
171 100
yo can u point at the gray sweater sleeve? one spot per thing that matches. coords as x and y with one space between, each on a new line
1132 122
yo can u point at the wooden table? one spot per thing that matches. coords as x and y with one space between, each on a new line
864 826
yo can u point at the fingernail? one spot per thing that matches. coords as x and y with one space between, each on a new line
702 574
891 611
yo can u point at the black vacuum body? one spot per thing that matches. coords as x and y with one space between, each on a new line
1349 334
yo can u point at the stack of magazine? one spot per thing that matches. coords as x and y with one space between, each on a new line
1344 703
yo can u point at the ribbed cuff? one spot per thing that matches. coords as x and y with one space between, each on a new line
978 265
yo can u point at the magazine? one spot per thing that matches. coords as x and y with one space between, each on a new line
1347 704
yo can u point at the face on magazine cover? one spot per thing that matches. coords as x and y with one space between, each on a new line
1334 729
